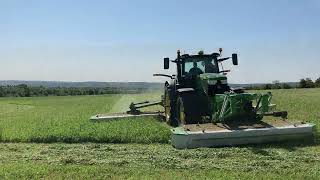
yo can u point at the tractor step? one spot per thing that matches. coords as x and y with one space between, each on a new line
119 116
215 135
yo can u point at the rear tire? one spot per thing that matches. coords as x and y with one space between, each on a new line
183 118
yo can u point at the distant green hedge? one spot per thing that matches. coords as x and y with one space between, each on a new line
23 90
303 83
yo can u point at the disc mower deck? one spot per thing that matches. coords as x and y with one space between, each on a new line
214 135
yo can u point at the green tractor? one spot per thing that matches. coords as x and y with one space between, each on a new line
199 93
205 111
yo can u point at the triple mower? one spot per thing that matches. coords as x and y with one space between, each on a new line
205 111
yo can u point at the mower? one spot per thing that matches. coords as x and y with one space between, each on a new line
205 111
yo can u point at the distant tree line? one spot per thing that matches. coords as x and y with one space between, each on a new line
308 83
23 90
303 83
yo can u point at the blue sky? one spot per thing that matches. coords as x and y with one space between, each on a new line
127 40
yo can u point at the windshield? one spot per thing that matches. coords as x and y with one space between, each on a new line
196 66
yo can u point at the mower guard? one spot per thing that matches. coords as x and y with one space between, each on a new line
219 135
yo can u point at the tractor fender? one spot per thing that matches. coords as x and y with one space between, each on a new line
170 88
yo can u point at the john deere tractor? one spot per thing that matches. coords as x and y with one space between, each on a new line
199 93
206 112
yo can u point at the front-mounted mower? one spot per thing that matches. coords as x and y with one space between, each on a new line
205 111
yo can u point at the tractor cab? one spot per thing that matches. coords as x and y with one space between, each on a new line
205 64
201 72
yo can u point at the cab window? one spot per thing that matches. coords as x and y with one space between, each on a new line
190 65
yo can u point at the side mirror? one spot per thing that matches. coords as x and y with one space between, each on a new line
166 63
235 59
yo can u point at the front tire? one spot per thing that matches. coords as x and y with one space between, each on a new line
181 115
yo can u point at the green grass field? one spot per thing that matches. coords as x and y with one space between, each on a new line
66 119
36 134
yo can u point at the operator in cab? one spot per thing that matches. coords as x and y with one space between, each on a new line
195 71
210 67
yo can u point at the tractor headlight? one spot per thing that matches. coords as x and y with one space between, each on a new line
224 82
212 82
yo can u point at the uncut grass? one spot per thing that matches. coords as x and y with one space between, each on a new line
66 119
301 104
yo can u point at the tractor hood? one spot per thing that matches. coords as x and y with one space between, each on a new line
213 78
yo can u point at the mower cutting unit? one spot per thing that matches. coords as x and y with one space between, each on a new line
206 112
133 112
